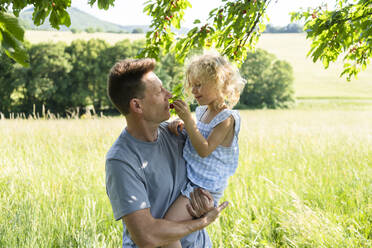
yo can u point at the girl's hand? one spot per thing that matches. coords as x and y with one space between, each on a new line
176 126
201 202
182 110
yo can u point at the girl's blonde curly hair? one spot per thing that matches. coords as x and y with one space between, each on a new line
217 71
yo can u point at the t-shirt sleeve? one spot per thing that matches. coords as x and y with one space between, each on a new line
125 189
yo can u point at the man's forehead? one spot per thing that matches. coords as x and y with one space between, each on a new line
153 78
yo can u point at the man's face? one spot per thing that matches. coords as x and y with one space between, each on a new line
155 102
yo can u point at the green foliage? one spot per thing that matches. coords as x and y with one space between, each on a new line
233 29
137 31
79 20
66 77
90 72
61 77
344 32
75 31
170 71
269 82
11 38
46 80
178 94
90 30
7 82
12 34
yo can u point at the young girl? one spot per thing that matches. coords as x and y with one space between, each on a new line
211 149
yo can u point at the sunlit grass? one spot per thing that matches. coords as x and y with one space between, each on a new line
304 180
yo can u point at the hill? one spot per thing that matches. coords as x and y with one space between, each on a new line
80 20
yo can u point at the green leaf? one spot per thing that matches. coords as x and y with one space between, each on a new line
13 48
65 18
103 4
10 23
325 62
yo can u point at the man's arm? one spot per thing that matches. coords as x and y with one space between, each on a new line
147 231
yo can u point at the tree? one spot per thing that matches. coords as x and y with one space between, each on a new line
90 30
290 28
12 34
344 32
269 82
46 81
89 73
137 31
7 82
75 30
233 29
170 71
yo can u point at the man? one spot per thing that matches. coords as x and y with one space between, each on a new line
145 170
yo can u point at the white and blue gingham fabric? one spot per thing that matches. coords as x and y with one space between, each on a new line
212 172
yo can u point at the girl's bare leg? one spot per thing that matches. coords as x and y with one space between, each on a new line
178 212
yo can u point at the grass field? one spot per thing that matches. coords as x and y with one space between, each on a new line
311 80
304 180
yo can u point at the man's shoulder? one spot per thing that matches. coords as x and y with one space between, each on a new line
119 148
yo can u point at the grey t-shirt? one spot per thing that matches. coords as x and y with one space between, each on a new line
151 175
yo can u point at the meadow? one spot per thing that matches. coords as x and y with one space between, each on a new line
304 180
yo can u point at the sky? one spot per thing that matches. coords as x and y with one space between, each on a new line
130 12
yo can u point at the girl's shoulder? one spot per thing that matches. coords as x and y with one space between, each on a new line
223 115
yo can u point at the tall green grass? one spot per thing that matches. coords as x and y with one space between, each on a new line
304 180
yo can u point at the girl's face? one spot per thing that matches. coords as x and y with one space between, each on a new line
204 93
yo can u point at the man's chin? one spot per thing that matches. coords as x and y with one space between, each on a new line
166 116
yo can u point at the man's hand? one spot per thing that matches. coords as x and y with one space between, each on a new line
214 213
176 126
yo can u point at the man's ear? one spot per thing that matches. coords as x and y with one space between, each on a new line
136 105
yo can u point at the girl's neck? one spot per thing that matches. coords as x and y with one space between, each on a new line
214 108
210 113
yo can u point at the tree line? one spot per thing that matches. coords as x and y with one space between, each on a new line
290 28
66 77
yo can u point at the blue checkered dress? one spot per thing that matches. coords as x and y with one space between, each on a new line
212 172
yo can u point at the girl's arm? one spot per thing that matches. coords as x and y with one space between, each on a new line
176 126
203 146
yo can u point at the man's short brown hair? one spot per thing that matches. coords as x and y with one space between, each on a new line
124 81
